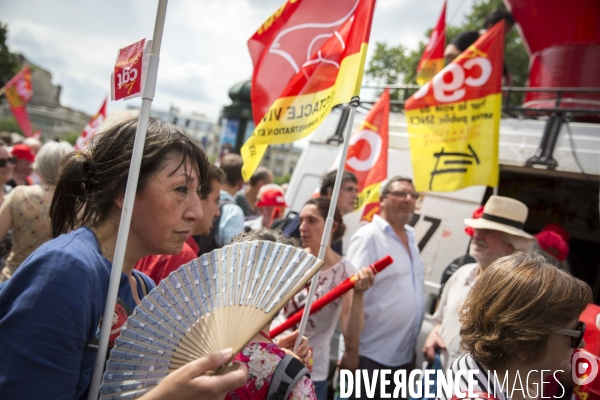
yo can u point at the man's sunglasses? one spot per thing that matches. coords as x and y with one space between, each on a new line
4 161
576 334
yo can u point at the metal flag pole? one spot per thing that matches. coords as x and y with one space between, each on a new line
329 221
130 189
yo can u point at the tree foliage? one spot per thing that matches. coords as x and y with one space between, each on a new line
396 64
8 124
9 62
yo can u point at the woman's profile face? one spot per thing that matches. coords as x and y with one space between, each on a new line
164 211
6 172
311 226
559 351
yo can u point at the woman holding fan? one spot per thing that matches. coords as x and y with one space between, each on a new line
51 308
349 308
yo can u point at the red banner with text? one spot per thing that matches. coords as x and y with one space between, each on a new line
368 156
127 75
308 57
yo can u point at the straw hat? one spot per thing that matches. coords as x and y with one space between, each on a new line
502 214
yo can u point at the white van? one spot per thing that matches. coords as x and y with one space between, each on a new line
567 195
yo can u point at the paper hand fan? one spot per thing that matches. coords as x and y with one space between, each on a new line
217 301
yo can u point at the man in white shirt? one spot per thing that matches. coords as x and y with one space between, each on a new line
498 233
394 306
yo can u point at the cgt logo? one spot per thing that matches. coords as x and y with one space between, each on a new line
584 367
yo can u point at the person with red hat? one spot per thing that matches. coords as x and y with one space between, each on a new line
270 205
23 166
553 243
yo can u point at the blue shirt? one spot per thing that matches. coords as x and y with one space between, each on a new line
231 221
50 312
395 305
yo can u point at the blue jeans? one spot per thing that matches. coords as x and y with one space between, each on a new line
321 390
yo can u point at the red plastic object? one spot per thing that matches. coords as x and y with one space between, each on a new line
563 40
336 292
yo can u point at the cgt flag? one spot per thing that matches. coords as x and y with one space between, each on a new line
453 121
18 93
432 60
308 57
368 155
91 128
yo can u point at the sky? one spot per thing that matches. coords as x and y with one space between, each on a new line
203 49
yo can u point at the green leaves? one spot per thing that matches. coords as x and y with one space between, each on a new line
397 64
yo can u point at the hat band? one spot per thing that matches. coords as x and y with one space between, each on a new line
504 221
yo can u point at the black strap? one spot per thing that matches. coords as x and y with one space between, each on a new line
140 280
287 374
504 221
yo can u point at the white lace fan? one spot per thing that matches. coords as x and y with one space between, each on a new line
217 301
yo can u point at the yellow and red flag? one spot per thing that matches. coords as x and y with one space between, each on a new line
308 57
368 156
432 60
91 128
18 93
454 119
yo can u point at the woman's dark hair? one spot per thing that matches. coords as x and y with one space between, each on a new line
213 173
322 204
496 16
328 181
92 179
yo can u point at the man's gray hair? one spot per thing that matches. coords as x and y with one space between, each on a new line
49 158
518 242
385 188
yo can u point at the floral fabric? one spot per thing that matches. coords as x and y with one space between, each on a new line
261 360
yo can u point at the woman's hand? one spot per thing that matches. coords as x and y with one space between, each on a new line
190 381
287 341
364 279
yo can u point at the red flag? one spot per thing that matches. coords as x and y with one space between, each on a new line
18 93
367 156
432 60
91 128
308 56
454 119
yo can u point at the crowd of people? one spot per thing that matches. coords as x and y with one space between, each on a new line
512 307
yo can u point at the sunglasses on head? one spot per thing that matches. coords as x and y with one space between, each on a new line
575 334
4 161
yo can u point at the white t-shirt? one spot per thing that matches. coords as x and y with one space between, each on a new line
321 325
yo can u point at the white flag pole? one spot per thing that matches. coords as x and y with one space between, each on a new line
132 181
329 221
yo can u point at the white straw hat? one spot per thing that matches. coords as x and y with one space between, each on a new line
502 214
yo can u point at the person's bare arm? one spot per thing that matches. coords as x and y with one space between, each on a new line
352 318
